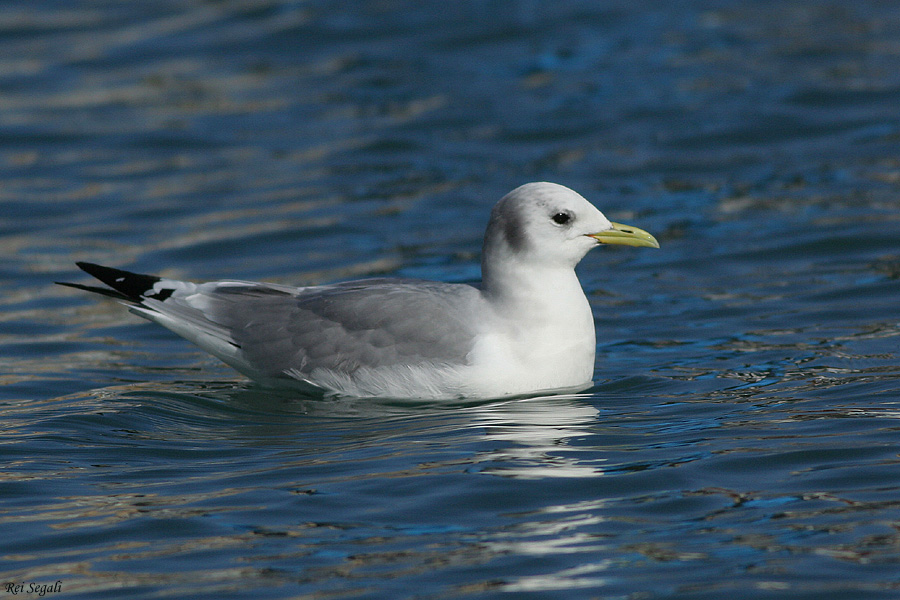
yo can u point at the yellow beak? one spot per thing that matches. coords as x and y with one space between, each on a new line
625 235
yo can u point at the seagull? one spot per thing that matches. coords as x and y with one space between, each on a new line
526 329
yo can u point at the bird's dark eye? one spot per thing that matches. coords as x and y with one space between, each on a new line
561 218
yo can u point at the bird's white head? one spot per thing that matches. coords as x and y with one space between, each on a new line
550 225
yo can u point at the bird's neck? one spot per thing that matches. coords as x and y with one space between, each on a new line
549 294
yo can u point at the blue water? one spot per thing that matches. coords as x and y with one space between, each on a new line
741 439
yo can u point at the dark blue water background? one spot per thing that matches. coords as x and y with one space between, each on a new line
742 437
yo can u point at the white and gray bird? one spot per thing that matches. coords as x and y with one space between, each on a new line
526 329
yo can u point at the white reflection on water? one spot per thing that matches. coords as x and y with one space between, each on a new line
535 434
582 576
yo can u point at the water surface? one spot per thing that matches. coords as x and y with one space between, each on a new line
740 440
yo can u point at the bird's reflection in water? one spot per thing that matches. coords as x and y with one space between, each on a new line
535 437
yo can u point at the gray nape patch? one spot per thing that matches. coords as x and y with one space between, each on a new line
514 231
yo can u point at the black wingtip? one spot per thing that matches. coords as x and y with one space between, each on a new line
96 290
125 284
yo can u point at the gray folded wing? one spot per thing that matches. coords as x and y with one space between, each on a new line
342 327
